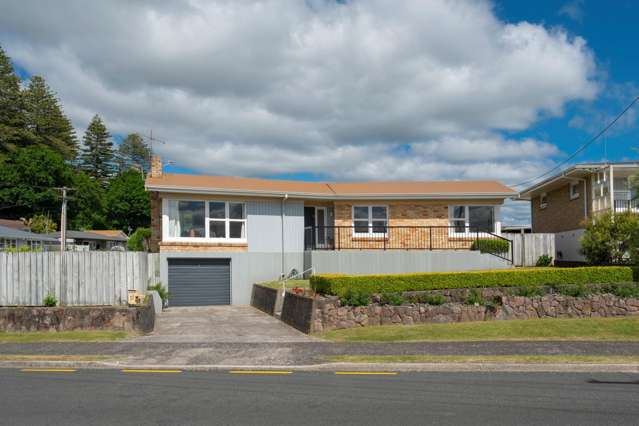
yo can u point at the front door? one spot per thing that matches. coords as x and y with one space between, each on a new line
320 226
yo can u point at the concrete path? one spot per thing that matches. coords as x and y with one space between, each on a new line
228 324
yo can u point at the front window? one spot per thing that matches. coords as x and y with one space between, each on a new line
464 219
214 220
574 190
370 220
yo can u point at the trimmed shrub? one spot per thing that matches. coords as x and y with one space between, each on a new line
394 299
611 238
355 297
488 245
338 285
544 260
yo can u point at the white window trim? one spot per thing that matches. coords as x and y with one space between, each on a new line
574 194
207 219
543 204
370 233
467 232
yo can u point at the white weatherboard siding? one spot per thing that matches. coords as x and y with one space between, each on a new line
264 226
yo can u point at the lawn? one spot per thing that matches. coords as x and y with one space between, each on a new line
289 284
487 359
62 336
546 329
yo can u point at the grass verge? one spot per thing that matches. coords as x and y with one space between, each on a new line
495 359
62 336
607 329
289 284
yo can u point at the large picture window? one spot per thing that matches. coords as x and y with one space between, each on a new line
370 220
212 220
465 219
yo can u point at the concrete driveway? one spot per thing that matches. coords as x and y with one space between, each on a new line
230 324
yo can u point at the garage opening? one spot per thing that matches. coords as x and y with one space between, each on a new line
199 282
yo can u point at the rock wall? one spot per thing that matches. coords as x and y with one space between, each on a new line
330 315
265 298
63 318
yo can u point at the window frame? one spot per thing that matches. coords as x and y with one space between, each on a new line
467 232
370 219
207 219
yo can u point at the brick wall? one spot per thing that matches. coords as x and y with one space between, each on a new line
156 222
405 213
561 213
201 247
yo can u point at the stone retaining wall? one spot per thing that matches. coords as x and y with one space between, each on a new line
67 318
265 298
330 315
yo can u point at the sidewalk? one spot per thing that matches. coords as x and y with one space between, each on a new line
309 355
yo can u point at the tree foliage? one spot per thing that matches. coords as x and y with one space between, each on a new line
13 132
134 152
46 121
139 240
41 224
87 204
611 238
28 181
96 158
128 204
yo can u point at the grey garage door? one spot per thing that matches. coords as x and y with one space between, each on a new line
198 282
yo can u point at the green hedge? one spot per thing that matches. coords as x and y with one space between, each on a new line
340 285
486 245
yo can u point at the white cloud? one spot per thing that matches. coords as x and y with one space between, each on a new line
573 10
362 90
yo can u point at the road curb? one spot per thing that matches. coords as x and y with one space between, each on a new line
342 366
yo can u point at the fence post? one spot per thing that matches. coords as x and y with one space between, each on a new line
430 237
338 237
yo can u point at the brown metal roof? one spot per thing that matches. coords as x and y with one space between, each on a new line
108 232
220 184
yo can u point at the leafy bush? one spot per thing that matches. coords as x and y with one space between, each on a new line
50 301
394 299
355 297
41 224
475 298
544 260
529 291
339 285
139 240
611 238
574 290
162 291
625 290
487 245
433 299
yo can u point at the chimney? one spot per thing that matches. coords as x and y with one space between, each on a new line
156 166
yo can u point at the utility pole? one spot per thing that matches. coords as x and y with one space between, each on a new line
63 218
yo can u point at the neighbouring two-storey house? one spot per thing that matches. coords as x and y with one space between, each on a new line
217 235
564 203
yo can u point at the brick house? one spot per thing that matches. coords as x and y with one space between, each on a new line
217 235
565 202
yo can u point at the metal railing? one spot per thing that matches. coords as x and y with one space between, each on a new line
627 205
406 238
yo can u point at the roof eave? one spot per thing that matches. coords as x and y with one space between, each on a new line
308 195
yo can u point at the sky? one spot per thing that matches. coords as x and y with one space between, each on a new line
343 90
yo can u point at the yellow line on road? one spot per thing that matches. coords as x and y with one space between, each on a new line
365 373
151 371
267 372
48 370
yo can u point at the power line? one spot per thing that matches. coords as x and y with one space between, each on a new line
584 146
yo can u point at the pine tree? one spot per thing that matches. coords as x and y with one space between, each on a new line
13 131
46 120
96 158
134 152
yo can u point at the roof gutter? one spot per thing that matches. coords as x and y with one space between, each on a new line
363 196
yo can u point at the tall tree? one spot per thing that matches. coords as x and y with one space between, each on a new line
46 120
96 158
87 204
134 152
13 131
28 181
127 203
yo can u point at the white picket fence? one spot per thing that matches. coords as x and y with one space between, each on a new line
75 278
528 247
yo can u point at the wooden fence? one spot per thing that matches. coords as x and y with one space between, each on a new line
75 278
528 247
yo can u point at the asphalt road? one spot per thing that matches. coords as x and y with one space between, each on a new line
115 397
